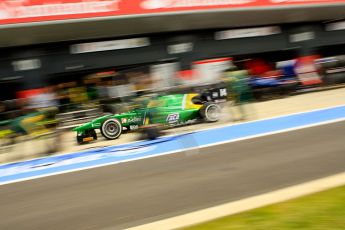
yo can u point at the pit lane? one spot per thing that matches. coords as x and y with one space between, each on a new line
125 195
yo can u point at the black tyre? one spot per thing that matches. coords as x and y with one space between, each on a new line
93 134
89 133
111 129
80 140
151 133
210 112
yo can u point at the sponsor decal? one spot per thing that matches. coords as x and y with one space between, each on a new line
23 8
87 139
134 119
157 4
246 33
29 64
301 37
335 26
110 45
180 48
181 123
134 127
173 118
130 120
223 92
23 11
215 94
169 4
95 125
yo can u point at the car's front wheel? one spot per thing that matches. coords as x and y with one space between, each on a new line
210 112
111 129
88 134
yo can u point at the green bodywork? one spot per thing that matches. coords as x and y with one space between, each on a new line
167 110
28 124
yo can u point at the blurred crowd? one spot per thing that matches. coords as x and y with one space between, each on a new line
39 111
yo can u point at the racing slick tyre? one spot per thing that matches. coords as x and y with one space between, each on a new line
210 112
80 140
111 129
90 133
150 133
93 134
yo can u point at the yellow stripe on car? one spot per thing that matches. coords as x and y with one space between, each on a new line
189 103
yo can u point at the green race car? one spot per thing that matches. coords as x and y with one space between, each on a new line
168 110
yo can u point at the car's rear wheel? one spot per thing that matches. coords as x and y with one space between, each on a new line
150 132
111 129
210 112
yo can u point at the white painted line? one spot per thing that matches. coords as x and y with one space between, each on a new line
178 150
246 204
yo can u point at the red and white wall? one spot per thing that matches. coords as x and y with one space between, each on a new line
24 11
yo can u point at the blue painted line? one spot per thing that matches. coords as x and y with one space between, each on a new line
117 154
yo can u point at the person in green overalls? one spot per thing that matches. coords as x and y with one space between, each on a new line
239 91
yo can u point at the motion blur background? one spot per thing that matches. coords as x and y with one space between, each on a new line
65 62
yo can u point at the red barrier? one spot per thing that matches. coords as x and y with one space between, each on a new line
21 11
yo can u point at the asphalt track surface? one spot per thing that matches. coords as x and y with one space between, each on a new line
138 192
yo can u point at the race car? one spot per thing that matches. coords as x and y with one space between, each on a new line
167 110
